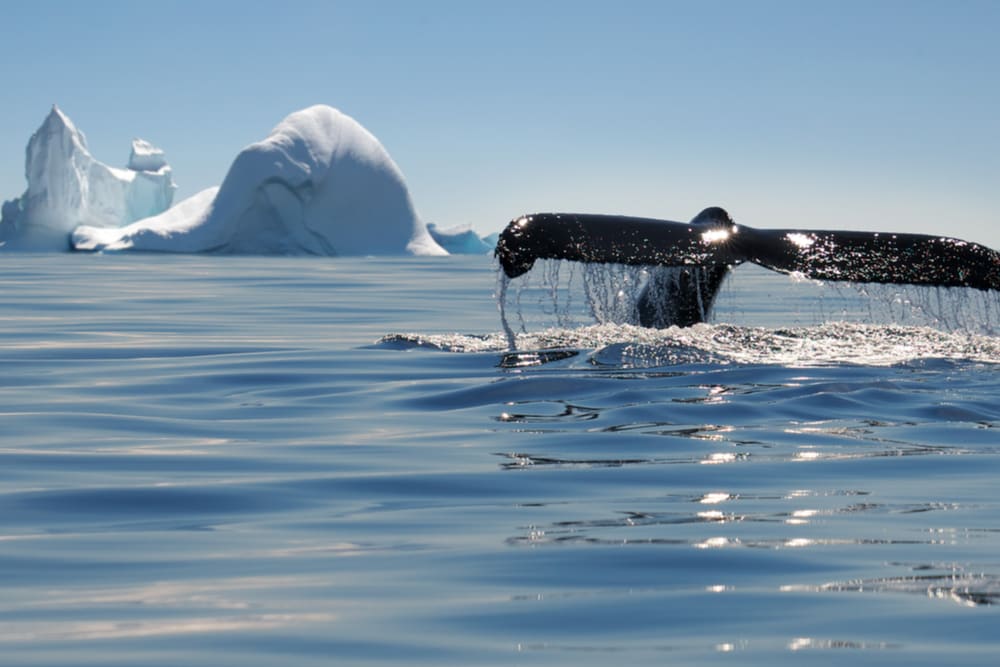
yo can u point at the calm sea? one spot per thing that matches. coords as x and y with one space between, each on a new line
270 461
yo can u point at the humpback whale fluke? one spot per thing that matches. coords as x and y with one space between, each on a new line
711 244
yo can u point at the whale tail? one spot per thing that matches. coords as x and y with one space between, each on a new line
706 248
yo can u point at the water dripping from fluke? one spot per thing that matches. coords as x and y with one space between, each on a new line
682 266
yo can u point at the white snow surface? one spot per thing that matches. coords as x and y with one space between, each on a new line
67 187
461 240
159 233
319 184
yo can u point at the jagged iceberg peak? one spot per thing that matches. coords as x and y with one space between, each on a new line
68 187
56 136
57 140
318 184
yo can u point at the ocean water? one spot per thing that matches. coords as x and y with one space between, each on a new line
271 461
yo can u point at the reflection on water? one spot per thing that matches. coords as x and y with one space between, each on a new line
969 589
634 526
806 643
150 610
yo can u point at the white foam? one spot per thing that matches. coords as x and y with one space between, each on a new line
627 346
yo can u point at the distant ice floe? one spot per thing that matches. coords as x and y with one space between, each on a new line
68 187
462 239
318 184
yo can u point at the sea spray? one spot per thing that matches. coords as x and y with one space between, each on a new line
568 294
503 282
950 309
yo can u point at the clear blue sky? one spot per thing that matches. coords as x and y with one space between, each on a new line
880 115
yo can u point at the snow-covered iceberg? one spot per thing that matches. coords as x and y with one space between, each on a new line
462 239
319 184
67 187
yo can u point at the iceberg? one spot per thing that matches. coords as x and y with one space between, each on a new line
68 187
461 239
146 157
318 184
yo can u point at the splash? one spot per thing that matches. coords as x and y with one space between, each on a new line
585 315
570 294
625 346
952 309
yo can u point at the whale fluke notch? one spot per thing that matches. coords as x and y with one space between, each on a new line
711 244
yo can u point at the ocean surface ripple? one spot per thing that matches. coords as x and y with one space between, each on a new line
259 461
